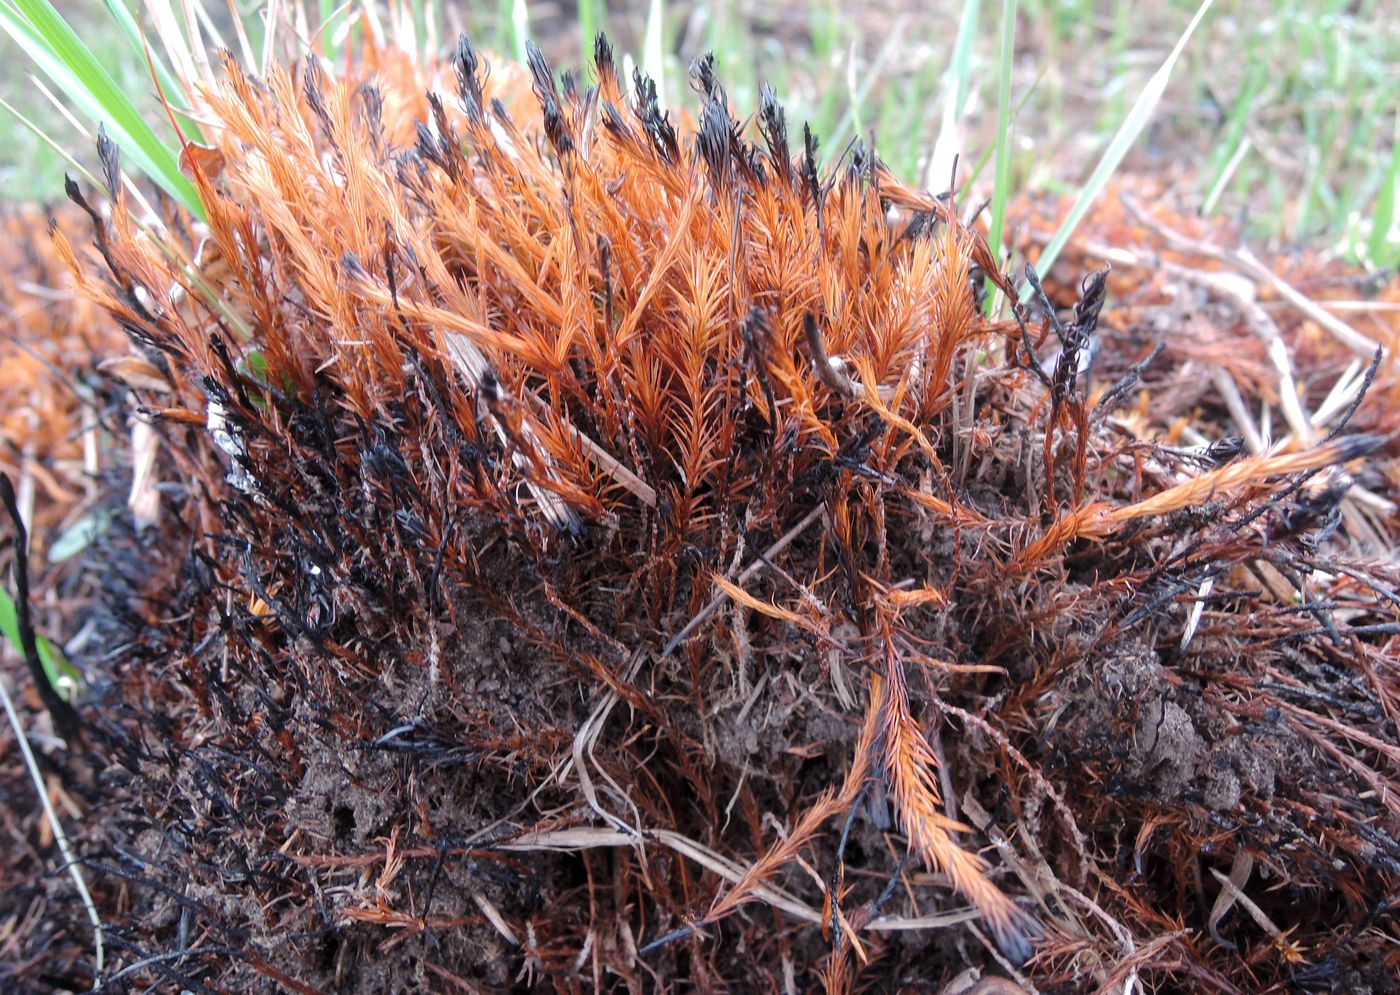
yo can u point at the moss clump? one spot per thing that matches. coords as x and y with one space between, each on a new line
600 551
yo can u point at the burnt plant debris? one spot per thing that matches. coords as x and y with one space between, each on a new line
595 550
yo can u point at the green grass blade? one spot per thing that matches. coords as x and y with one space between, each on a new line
63 676
960 68
326 11
168 84
1133 125
1001 182
53 46
1226 156
81 534
1381 248
591 15
1226 174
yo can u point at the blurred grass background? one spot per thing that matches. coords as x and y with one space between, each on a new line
1284 113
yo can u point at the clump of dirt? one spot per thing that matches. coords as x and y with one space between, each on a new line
1172 742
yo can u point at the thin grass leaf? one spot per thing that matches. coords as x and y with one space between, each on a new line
955 93
900 126
58 148
160 15
591 18
270 22
1382 248
80 535
1133 126
131 188
1226 155
505 40
1226 175
1001 182
60 837
857 92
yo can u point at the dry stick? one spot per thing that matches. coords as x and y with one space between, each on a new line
831 374
70 861
747 573
1241 293
1257 318
473 365
589 837
1081 843
1094 521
